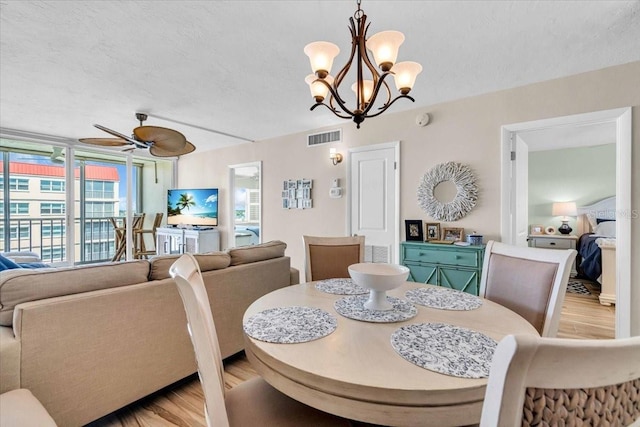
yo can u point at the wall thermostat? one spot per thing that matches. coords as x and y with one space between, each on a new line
335 192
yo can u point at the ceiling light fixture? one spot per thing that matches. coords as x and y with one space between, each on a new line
384 46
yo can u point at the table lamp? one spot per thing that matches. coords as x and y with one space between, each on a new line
565 210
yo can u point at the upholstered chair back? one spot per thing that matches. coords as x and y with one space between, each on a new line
529 281
330 257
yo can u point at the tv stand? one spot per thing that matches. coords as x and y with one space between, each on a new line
170 240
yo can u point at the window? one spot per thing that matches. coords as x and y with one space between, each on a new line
49 230
99 250
52 254
16 208
16 184
49 185
99 209
52 209
100 189
13 232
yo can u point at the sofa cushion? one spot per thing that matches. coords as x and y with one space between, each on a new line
255 253
208 261
22 285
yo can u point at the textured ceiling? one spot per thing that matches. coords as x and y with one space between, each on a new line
238 67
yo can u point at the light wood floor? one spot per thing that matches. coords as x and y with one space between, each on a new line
182 404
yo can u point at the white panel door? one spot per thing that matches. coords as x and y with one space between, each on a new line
374 202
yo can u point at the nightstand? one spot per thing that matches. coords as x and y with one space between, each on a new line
555 241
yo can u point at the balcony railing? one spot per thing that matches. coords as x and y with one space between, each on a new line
95 238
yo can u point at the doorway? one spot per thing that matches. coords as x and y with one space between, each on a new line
245 204
512 213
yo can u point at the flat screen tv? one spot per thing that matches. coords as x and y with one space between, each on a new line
196 207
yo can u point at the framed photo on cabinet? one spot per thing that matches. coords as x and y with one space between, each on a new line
413 230
432 230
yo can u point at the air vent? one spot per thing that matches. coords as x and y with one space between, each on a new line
324 137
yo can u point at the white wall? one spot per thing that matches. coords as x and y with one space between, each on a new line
583 175
466 131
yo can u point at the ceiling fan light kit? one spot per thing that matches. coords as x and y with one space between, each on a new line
160 141
384 47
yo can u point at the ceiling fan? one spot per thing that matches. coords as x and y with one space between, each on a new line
161 142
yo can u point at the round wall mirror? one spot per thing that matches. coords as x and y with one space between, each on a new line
448 191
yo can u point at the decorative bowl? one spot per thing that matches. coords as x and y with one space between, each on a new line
378 278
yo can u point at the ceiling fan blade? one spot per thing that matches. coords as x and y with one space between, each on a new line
109 142
158 152
118 134
164 139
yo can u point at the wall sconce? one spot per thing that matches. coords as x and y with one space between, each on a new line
335 156
565 210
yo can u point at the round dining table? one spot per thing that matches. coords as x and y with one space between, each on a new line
354 372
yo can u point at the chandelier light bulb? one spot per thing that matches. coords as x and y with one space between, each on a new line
405 74
367 90
385 46
321 56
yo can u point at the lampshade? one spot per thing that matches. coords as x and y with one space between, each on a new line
405 74
367 88
564 209
318 89
384 46
321 56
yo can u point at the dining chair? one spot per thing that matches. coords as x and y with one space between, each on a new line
20 408
330 257
251 403
141 248
554 381
530 281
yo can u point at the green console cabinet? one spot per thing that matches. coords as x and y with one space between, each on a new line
451 266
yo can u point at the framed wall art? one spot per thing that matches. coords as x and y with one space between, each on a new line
413 230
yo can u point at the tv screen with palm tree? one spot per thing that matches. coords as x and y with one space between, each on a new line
194 207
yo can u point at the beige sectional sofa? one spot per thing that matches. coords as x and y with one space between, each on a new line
89 340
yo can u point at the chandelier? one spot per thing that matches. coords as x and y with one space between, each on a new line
369 81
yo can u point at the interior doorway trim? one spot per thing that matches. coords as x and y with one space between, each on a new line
622 118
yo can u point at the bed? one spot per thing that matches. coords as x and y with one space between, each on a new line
597 246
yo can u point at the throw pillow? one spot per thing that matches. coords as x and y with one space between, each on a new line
7 264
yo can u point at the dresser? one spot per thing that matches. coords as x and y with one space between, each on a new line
180 240
451 266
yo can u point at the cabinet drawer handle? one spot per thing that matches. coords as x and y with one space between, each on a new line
421 254
552 243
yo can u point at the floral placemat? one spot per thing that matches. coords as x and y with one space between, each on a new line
446 349
290 325
353 308
340 287
443 298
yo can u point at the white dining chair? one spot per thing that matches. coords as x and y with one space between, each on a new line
330 257
554 381
20 408
251 403
530 281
